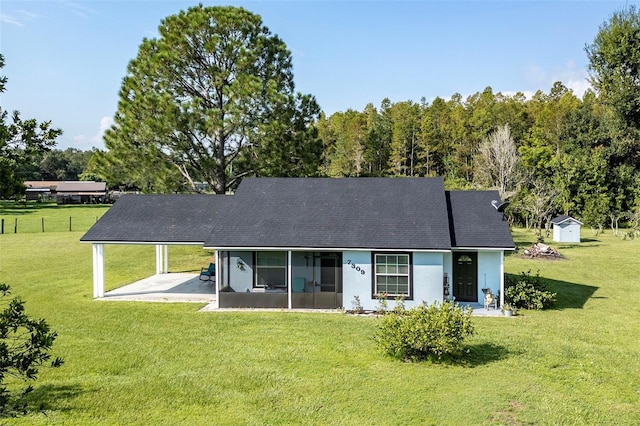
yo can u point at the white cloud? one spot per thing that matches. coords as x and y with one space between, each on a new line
85 143
528 94
574 78
79 9
10 20
23 16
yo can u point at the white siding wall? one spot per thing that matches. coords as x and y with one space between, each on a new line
427 279
567 232
355 283
241 271
488 272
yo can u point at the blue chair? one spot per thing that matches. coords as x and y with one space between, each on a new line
208 274
298 285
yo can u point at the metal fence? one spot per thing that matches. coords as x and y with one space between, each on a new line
15 225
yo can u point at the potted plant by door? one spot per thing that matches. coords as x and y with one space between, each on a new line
507 310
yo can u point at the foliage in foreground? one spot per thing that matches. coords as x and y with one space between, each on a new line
24 347
528 292
427 331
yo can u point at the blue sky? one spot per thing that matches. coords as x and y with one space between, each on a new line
65 60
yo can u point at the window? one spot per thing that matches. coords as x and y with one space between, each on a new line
393 275
271 269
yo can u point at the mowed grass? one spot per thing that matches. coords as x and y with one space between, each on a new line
154 363
32 217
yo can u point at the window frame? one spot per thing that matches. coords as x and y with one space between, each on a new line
258 267
374 275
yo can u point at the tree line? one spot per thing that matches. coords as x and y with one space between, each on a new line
551 154
212 100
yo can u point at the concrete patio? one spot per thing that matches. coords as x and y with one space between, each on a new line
174 287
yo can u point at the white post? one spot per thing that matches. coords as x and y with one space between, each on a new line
217 284
158 259
166 259
289 280
501 278
98 270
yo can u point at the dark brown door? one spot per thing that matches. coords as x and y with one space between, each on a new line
465 277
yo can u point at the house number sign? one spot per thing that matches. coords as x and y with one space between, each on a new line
356 267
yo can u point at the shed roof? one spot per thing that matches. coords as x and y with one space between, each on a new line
385 213
475 222
564 218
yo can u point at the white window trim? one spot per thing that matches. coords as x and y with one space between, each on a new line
409 294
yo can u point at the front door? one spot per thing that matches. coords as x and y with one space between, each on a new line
465 276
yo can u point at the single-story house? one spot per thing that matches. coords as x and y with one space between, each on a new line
566 229
81 192
324 243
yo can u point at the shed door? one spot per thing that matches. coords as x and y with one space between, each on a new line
465 277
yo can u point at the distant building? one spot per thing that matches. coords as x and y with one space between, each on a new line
566 229
81 192
40 190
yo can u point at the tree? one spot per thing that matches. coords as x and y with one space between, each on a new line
435 137
347 151
20 141
498 163
64 165
614 64
405 134
212 99
24 347
537 202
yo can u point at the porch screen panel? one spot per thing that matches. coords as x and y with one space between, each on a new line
392 274
271 269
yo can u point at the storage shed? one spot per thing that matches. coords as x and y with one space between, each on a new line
566 229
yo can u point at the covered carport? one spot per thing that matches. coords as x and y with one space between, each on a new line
159 220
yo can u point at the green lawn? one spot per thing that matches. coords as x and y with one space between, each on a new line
32 217
144 363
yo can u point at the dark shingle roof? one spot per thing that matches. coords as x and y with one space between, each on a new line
474 222
563 218
158 218
385 213
358 213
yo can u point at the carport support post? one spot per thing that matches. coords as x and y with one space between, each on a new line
218 278
165 256
98 270
289 278
162 261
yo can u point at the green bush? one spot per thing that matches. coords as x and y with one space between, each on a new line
528 292
425 332
24 348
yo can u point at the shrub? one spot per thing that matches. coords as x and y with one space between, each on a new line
425 332
528 292
24 347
